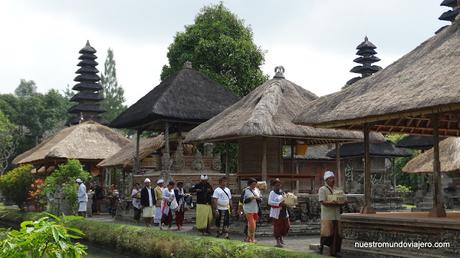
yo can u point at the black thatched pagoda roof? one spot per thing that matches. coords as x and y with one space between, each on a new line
366 52
450 14
187 97
384 149
89 97
421 142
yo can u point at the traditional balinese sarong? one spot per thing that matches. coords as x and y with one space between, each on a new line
281 227
330 235
179 216
203 216
82 206
158 215
147 212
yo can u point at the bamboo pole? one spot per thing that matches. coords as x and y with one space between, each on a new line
367 207
438 202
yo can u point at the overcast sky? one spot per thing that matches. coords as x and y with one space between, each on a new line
314 40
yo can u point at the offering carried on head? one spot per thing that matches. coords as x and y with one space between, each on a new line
262 185
337 196
290 200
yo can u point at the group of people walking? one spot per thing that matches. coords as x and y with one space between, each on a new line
164 204
158 204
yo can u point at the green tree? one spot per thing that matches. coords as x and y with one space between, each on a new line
113 92
221 46
16 184
46 237
8 141
25 88
62 180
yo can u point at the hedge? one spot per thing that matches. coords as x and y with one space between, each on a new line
151 242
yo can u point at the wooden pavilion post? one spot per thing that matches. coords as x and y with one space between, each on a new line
264 159
167 152
137 163
438 202
367 207
337 159
227 171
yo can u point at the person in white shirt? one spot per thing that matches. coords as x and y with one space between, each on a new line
222 199
168 205
278 213
159 195
136 201
251 201
82 198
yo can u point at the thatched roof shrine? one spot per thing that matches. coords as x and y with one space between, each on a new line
268 111
449 155
125 156
384 149
185 99
85 141
401 97
421 142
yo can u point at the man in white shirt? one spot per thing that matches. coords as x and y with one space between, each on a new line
330 215
222 206
82 198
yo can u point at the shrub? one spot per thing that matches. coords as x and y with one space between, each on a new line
403 189
152 242
62 180
46 237
15 185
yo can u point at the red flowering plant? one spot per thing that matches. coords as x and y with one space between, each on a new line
36 195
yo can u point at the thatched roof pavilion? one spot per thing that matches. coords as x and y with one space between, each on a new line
268 111
261 123
177 104
88 142
449 156
125 156
417 94
420 142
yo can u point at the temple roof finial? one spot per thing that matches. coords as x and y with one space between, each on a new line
279 72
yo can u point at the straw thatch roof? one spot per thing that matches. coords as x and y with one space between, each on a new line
384 149
400 97
268 111
125 156
449 156
86 141
187 96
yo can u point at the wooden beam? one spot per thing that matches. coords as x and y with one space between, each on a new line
264 159
337 160
367 207
438 201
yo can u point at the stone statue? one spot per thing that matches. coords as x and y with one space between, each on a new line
208 148
197 163
216 162
179 157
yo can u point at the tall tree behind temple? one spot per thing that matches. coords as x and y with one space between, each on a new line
113 93
221 46
26 88
35 115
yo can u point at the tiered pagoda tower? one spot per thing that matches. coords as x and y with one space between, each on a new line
89 96
451 14
366 51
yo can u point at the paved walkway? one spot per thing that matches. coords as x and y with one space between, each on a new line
298 243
